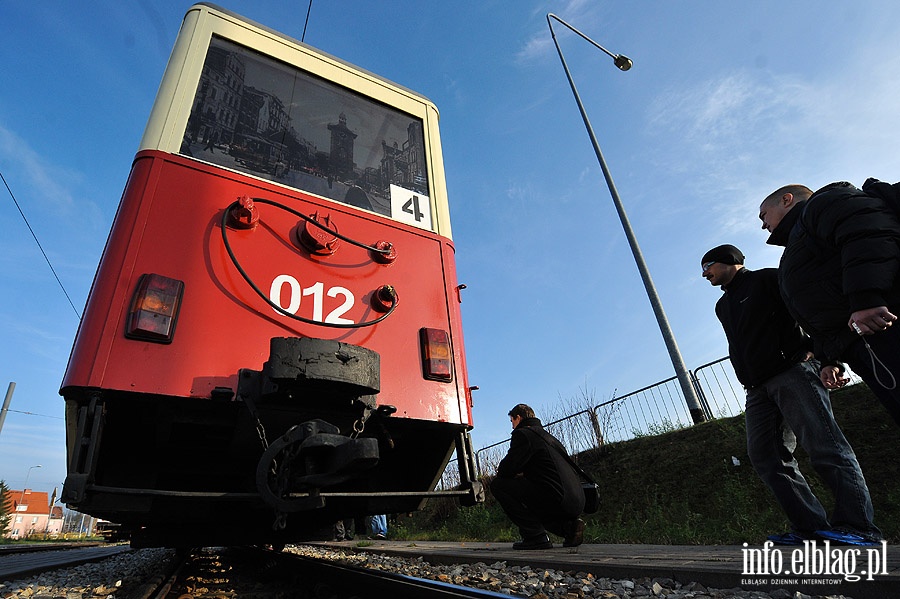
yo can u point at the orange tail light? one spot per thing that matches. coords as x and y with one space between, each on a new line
154 309
437 359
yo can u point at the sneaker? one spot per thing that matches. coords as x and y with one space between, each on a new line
843 536
791 538
538 542
380 537
574 533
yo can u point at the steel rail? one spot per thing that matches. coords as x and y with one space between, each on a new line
21 565
15 548
377 583
232 571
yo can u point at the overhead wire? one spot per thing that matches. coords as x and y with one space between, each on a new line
36 414
308 10
27 224
34 235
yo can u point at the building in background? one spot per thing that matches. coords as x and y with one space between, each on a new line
32 513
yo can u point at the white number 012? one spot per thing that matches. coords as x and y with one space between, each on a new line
317 290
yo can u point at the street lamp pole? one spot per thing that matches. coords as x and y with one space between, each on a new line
687 386
25 486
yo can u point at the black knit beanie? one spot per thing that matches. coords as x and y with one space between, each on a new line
724 254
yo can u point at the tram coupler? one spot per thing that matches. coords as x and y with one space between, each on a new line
307 457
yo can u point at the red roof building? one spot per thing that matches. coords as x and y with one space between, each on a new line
30 513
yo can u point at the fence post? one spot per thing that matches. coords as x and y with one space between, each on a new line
700 394
598 432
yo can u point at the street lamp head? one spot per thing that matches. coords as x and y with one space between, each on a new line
623 62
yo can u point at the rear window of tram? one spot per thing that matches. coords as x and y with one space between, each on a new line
265 118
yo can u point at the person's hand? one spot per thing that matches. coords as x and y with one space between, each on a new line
831 377
871 320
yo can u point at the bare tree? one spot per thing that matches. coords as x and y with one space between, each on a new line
575 423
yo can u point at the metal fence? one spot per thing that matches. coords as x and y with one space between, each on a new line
651 410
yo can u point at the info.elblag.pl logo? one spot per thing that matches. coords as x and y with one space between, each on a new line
815 560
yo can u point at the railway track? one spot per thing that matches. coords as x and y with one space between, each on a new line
24 561
220 573
321 572
242 571
34 547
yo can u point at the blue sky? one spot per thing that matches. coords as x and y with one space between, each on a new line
726 102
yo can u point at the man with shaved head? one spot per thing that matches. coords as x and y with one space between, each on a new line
840 278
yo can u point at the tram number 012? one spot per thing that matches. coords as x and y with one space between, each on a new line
297 292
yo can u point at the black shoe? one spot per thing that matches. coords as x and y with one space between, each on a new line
538 542
574 533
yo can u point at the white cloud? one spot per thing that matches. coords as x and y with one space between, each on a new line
741 135
42 178
540 45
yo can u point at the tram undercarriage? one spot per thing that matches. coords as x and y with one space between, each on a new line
297 446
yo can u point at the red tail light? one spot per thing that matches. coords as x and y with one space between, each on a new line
154 309
437 359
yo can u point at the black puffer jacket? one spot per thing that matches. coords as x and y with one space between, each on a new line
763 339
535 453
842 254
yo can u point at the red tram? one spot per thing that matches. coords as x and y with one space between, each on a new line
272 340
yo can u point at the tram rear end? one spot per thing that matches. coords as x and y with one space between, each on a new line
273 338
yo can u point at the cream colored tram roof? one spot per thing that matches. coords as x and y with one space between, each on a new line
171 110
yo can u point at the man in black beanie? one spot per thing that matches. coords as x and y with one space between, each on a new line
787 404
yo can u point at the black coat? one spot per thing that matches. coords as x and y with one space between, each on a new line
535 453
763 338
842 254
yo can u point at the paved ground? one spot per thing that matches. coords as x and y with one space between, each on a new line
719 566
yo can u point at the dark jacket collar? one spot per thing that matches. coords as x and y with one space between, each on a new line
529 422
736 279
782 232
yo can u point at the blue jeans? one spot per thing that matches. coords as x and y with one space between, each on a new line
794 406
378 524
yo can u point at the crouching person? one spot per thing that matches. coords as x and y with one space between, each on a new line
536 486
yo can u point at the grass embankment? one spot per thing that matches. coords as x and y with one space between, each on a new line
682 487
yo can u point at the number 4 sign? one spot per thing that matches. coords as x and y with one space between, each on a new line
410 207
